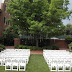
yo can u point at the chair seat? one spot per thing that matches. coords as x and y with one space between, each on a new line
22 64
14 63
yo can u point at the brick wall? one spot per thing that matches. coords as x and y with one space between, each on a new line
1 20
16 41
2 15
60 42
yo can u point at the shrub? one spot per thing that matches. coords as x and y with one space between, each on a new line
2 47
2 40
51 47
47 47
55 47
27 47
70 46
68 39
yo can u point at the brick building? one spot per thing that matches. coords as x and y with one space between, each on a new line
4 16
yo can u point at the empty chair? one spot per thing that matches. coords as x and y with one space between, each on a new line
22 65
15 65
0 62
67 67
3 62
58 60
8 65
14 59
60 67
53 67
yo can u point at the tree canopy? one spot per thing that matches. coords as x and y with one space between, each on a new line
39 18
68 29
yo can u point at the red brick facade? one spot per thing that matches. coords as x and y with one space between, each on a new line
3 16
61 43
16 41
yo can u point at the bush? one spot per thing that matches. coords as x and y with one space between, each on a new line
55 47
68 39
47 47
52 47
2 40
28 47
2 47
70 46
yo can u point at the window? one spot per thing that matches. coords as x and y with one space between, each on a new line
5 8
5 20
8 23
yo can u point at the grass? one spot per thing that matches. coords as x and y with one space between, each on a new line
8 67
36 64
54 68
22 67
14 67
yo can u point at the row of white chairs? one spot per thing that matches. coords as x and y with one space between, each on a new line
57 59
17 58
15 65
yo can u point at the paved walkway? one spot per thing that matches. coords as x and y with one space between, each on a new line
34 51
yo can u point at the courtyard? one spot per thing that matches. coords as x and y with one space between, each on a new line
36 64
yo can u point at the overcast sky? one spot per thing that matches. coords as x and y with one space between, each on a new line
66 21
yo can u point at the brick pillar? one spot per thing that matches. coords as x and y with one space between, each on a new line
16 41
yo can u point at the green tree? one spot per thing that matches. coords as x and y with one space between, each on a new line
10 33
68 29
39 18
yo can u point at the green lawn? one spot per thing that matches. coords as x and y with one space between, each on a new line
36 64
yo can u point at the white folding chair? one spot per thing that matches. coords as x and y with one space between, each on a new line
67 67
8 66
14 65
53 67
0 62
22 65
60 67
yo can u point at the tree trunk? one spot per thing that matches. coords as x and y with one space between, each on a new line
36 42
